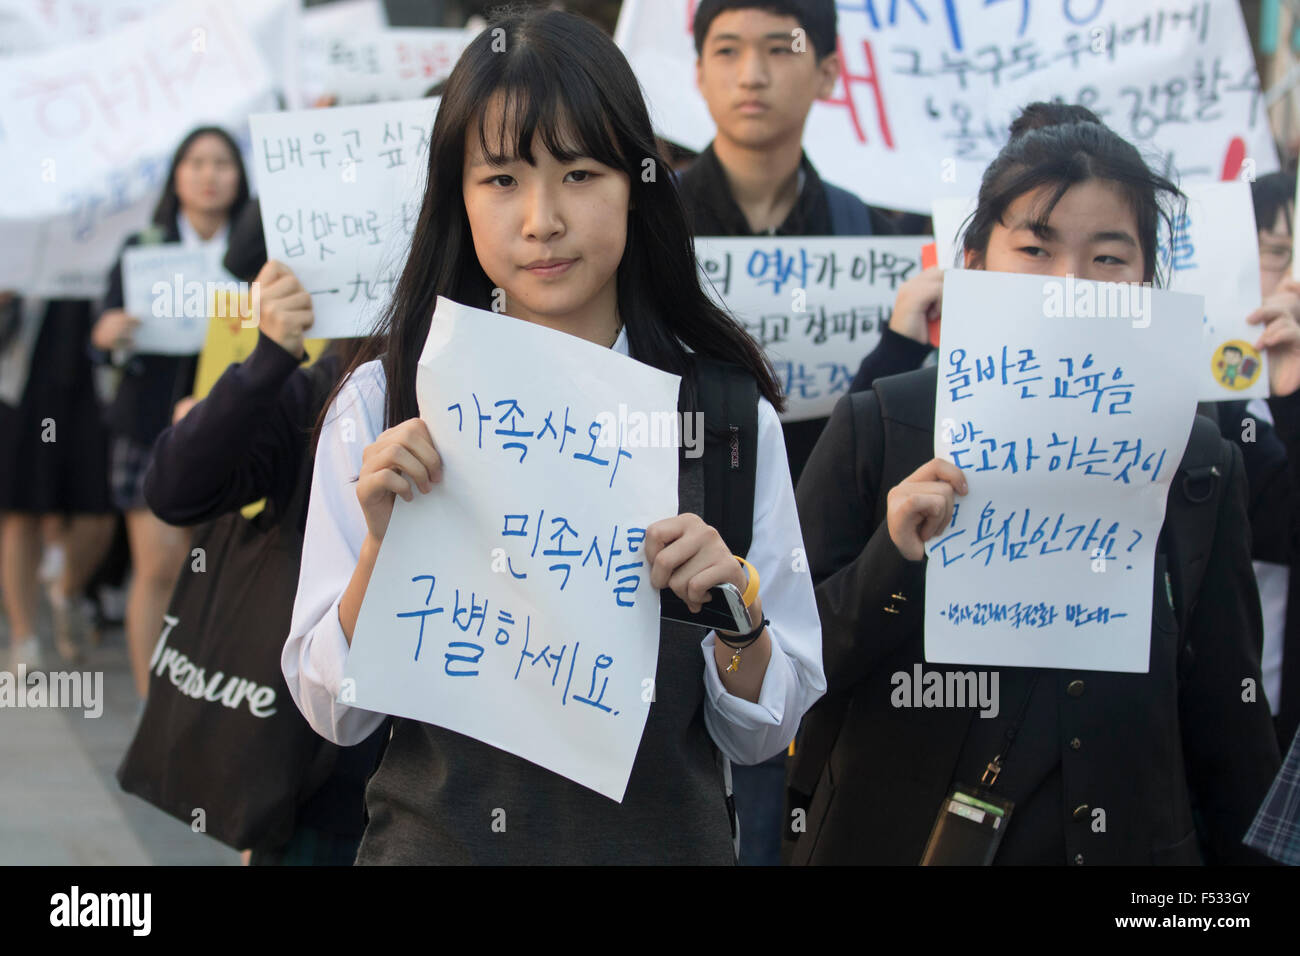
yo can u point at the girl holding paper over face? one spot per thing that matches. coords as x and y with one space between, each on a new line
545 185
1100 767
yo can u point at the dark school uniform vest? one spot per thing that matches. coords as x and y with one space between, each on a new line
437 793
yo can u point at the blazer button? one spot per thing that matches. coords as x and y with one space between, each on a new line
1076 743
1081 811
1078 859
1074 688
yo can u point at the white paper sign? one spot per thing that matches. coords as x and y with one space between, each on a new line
1215 254
512 603
816 304
928 88
317 26
1068 405
392 64
340 191
87 132
170 289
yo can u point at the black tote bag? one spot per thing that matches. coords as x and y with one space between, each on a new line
221 744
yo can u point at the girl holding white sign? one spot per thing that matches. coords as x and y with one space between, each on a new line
546 192
1099 766
205 189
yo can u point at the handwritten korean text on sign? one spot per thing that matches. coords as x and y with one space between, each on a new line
817 305
341 190
512 603
1069 429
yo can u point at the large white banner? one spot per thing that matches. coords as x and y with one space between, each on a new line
512 603
87 132
340 192
816 304
928 87
1068 405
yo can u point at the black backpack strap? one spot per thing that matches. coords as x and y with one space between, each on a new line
728 399
1190 518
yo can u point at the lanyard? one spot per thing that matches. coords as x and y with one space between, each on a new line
995 765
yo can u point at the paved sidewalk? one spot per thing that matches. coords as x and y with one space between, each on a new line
60 803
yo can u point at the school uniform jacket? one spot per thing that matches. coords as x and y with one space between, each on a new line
1143 748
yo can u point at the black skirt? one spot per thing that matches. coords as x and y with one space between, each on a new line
54 445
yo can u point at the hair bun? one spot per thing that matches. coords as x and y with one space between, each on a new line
1040 114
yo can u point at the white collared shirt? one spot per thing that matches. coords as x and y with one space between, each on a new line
745 732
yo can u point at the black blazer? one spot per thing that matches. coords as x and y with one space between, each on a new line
1145 748
151 385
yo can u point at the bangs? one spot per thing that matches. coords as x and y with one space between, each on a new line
562 105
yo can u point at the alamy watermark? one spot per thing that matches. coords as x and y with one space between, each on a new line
1065 298
223 299
659 429
76 690
948 689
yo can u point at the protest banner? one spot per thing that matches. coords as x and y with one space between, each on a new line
928 88
340 192
87 132
1068 405
1214 254
390 64
512 603
172 289
817 305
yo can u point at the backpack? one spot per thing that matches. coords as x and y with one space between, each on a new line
728 399
849 214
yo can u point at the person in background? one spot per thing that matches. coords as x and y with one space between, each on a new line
205 189
1177 759
754 179
1268 434
55 451
244 441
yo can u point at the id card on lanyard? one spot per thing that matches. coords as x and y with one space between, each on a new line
972 821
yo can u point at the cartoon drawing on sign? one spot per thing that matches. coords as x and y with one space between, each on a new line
1236 364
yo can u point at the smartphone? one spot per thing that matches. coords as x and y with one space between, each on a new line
725 612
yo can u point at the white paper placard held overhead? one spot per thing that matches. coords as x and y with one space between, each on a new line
816 304
1068 405
340 191
170 288
512 603
928 88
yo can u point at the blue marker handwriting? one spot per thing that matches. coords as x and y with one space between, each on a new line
563 547
1026 614
1066 378
469 651
1018 533
558 430
1122 459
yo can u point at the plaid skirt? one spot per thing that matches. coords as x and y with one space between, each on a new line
1276 830
128 461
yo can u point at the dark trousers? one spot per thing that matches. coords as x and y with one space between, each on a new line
759 792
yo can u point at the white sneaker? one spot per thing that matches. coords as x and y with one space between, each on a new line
26 654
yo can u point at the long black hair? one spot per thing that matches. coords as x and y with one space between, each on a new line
169 204
1060 146
564 79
